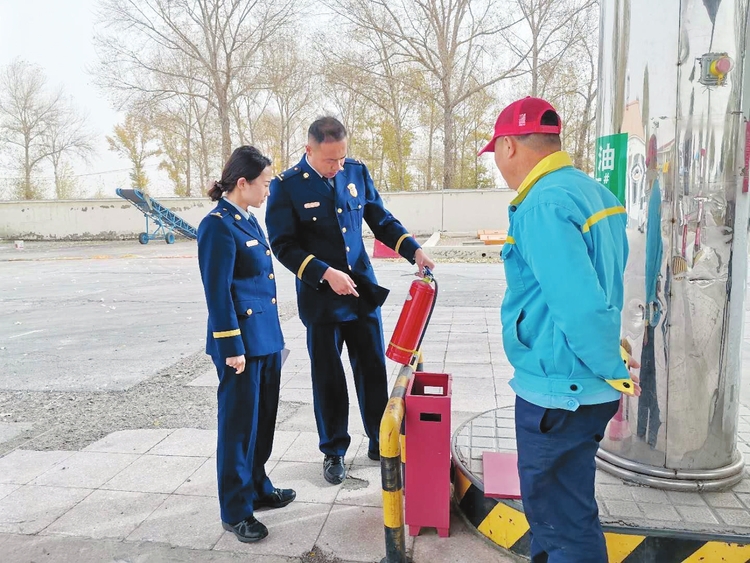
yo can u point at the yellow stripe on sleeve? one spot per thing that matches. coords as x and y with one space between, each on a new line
302 267
227 333
603 214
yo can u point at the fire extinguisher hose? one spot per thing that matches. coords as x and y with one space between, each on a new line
430 278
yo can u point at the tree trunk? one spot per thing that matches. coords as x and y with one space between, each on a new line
27 174
430 148
188 162
449 144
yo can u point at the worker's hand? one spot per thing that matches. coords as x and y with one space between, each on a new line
340 282
237 362
423 261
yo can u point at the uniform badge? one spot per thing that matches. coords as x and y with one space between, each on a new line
251 242
352 190
312 204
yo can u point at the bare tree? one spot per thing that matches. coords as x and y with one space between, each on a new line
292 92
450 41
67 136
134 140
365 64
545 33
27 111
144 39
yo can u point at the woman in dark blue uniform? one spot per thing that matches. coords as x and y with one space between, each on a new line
244 341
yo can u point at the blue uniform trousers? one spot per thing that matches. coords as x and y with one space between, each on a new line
248 402
556 450
364 341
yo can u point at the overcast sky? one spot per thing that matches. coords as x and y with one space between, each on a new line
57 36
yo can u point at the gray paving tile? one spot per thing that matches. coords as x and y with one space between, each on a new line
208 379
106 514
745 498
696 514
686 499
202 483
155 474
129 441
613 492
6 489
665 512
743 486
86 470
23 549
734 517
187 442
462 545
299 381
648 495
306 479
623 509
722 500
10 430
30 509
489 431
292 530
282 439
362 487
475 370
184 521
22 466
347 522
305 447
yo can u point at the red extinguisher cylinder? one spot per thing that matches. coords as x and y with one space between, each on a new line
411 323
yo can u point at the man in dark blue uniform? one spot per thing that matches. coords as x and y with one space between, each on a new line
314 220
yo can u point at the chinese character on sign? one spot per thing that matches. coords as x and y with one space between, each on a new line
611 163
607 158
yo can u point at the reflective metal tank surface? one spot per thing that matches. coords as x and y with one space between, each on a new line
671 131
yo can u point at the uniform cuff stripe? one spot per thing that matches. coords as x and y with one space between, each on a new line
305 262
402 239
227 333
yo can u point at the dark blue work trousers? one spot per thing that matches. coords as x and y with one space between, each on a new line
364 342
248 403
556 450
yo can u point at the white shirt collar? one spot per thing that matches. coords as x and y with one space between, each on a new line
244 212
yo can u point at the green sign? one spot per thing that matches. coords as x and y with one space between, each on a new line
612 163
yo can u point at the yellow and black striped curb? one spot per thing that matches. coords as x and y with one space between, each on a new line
504 523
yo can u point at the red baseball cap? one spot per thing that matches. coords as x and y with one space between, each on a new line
523 117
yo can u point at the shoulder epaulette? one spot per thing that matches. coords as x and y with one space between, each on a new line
222 213
286 174
353 161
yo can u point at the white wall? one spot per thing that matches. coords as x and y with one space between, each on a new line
421 213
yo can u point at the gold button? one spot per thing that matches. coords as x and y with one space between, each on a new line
315 218
347 249
339 210
268 253
237 217
249 312
273 301
343 230
359 206
305 175
350 266
270 276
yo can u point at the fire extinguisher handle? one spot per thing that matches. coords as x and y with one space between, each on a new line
427 274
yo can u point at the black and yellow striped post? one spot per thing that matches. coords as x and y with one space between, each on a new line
390 468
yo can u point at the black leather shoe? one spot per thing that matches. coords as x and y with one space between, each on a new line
374 456
247 531
279 498
334 470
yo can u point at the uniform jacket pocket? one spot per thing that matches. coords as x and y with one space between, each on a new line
248 307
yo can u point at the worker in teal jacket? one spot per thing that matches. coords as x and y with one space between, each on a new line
564 261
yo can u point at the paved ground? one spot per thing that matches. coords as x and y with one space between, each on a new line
107 413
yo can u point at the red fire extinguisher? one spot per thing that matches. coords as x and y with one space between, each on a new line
409 331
